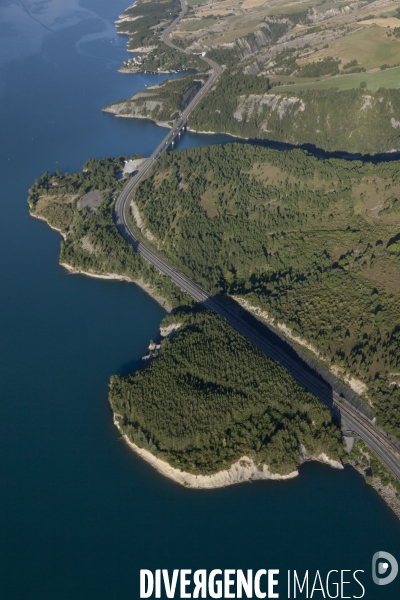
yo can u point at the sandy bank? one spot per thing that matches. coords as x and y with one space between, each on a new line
142 49
113 109
140 70
145 286
242 470
322 458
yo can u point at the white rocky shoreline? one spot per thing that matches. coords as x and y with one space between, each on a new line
35 216
112 109
244 469
241 471
144 286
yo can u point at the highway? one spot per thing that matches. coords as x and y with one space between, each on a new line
178 125
350 418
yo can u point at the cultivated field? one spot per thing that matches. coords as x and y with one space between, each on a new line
371 47
389 78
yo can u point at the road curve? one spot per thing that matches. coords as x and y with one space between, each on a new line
351 419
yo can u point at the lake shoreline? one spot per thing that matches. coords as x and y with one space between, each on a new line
244 469
241 471
146 287
112 111
114 276
281 145
40 218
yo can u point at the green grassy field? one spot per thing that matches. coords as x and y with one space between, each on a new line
388 79
371 47
329 5
289 9
198 24
192 2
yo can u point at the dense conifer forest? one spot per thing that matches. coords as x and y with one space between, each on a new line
209 396
315 243
353 121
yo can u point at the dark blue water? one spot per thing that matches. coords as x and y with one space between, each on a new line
79 513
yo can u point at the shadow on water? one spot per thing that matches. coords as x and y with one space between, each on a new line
326 155
129 367
225 138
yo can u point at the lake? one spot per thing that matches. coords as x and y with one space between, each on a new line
80 514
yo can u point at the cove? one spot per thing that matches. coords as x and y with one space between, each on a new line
80 514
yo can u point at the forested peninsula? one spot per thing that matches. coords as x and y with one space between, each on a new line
79 205
208 398
166 408
283 231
